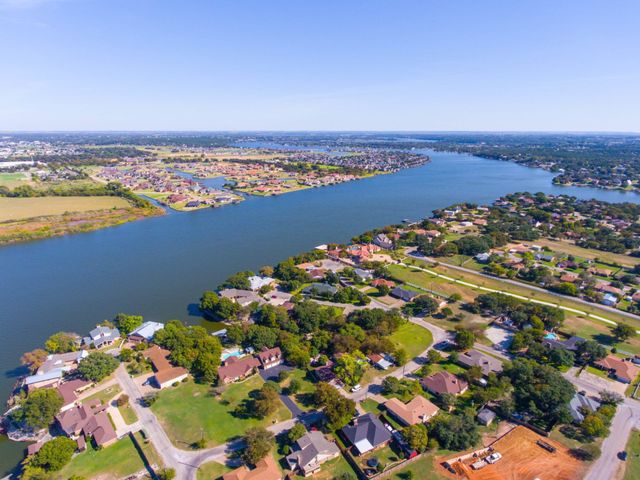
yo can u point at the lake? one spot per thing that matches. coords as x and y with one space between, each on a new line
158 267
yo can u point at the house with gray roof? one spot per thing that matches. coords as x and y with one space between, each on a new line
580 404
310 452
101 337
474 358
402 294
242 297
320 289
145 332
366 433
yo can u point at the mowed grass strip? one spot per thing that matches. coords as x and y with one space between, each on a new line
190 411
212 470
632 471
20 208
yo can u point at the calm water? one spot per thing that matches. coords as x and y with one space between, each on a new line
158 267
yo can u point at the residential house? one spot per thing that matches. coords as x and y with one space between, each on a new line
258 282
165 373
324 374
265 469
483 257
89 420
444 382
242 297
571 344
320 289
569 277
383 241
402 294
69 392
310 452
44 380
235 369
380 361
67 362
366 433
486 416
580 404
101 337
379 282
474 358
609 300
622 370
278 298
270 357
363 275
417 410
145 332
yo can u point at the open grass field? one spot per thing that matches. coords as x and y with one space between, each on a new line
212 471
523 459
413 338
111 463
14 179
424 468
522 291
571 249
189 411
632 471
19 208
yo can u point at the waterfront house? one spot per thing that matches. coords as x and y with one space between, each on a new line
235 369
44 380
242 297
363 275
265 469
383 241
444 382
69 392
366 433
89 420
580 404
417 410
165 373
257 282
310 452
145 332
101 337
270 357
474 358
622 370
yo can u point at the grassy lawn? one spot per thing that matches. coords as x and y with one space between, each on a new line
306 387
571 249
632 471
413 338
333 468
423 468
128 415
17 208
598 372
212 470
386 456
189 411
497 284
371 406
105 394
114 462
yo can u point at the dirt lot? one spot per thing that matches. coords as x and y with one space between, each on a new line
523 459
19 208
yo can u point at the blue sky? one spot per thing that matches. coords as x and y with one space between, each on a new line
570 65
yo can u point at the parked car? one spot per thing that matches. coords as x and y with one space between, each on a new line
356 388
622 456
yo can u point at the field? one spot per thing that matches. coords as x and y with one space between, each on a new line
12 180
20 208
632 471
212 470
571 249
189 412
413 338
523 459
111 463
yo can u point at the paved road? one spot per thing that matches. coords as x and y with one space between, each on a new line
604 308
626 419
439 334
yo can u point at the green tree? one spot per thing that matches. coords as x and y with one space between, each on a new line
338 409
39 408
401 356
166 474
296 432
416 436
455 432
593 426
97 365
623 332
464 339
258 443
349 368
61 342
127 323
54 454
266 402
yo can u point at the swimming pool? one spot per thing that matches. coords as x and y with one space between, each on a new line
236 352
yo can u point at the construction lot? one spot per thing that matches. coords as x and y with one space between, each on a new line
523 457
